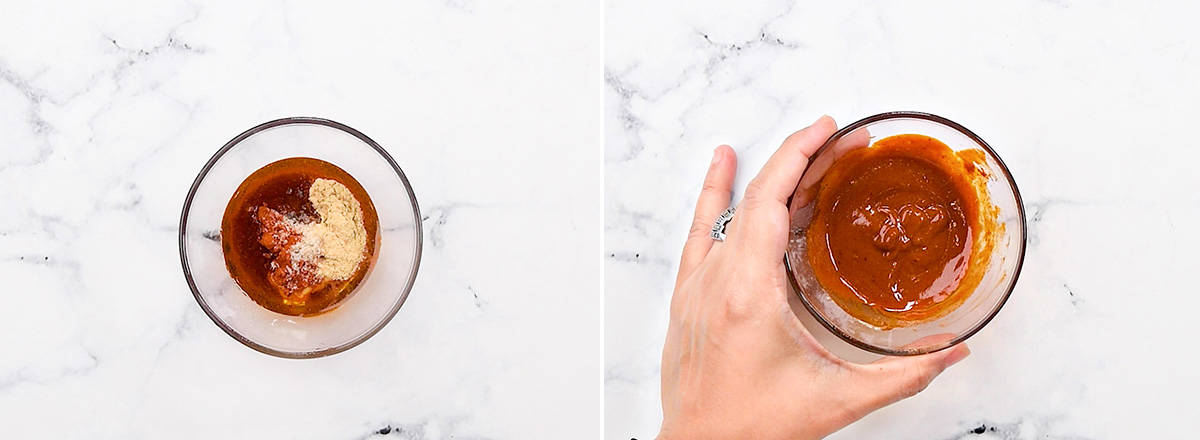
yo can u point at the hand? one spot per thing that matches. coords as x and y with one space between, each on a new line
737 363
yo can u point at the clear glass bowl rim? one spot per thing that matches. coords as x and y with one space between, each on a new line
187 204
1020 255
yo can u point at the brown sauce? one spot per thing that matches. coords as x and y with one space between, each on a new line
901 231
257 240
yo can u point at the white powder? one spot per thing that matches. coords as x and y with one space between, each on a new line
338 242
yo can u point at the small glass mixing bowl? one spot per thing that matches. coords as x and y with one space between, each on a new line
376 299
983 303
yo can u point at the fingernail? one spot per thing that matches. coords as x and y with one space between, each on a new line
818 121
716 156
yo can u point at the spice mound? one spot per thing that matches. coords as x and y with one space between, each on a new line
310 255
902 231
296 238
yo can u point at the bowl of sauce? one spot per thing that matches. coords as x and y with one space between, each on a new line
907 234
301 237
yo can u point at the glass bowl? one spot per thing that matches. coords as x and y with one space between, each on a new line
979 307
376 299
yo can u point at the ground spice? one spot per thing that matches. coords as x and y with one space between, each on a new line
310 254
338 242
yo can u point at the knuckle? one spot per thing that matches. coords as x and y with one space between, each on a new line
796 136
738 307
754 200
749 205
700 228
754 189
712 188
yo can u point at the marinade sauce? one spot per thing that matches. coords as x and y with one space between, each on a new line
901 230
260 232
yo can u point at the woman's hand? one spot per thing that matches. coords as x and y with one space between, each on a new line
737 363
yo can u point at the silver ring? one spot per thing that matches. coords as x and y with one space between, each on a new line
718 229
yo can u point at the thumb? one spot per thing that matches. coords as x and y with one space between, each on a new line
894 378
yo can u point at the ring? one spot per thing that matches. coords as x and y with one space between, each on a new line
718 229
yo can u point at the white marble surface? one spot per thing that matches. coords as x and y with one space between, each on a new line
109 109
1091 105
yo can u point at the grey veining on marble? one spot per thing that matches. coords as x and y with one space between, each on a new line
1089 104
109 109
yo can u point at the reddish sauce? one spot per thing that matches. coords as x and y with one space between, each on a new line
901 230
256 237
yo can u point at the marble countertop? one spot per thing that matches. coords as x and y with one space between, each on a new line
109 109
1087 103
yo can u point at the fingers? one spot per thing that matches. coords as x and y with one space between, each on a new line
782 172
761 226
807 188
714 198
896 378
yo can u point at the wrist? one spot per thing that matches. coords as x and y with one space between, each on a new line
692 432
671 431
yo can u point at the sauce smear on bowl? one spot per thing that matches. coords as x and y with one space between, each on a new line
901 230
